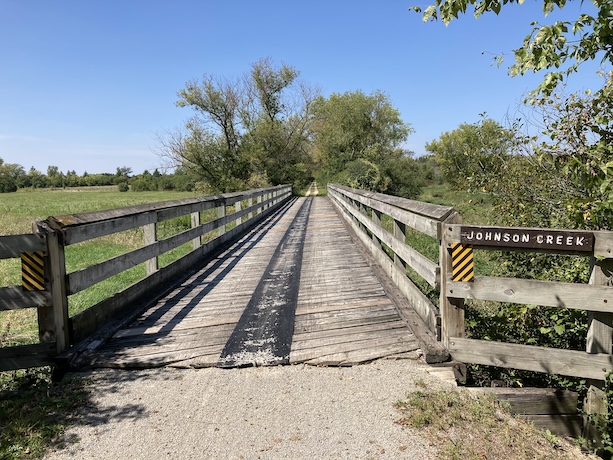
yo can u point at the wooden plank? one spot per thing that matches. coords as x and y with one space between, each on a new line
531 358
25 356
560 425
354 357
15 298
85 226
406 342
423 266
452 306
422 305
603 240
534 292
348 331
341 337
534 401
11 246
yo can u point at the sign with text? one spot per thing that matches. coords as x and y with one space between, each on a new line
529 238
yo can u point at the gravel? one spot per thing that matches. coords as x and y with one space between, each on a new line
297 412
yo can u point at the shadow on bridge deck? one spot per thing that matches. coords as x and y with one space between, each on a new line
294 290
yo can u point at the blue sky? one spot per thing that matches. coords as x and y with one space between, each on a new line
87 85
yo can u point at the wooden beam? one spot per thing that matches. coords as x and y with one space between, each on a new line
534 292
531 358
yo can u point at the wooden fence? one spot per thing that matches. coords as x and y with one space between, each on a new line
366 211
236 213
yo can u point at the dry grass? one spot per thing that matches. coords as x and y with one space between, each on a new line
466 426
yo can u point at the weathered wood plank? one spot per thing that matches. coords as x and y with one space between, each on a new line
24 356
534 401
354 357
15 298
417 208
11 246
531 358
535 292
377 343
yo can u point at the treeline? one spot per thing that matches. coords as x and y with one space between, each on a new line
14 177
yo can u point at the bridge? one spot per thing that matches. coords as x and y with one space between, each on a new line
270 279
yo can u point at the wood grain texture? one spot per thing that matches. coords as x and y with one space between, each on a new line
342 315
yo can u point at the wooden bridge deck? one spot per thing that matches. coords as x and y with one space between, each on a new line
294 290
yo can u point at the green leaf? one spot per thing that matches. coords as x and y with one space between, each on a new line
545 330
560 329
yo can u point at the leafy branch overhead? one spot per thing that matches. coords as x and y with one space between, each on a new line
560 47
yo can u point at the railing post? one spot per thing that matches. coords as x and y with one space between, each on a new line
249 204
376 218
237 207
57 281
150 238
600 324
400 232
452 309
196 242
221 213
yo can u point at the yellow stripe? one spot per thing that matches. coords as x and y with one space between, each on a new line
33 271
462 262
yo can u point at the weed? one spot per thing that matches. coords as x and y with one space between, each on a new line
466 426
34 412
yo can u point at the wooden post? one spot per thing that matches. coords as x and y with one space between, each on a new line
196 242
221 212
452 309
238 207
150 238
57 280
600 324
249 204
376 218
400 232
258 200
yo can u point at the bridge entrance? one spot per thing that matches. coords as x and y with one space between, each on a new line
295 290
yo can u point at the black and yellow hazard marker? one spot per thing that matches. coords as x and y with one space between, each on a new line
33 271
462 263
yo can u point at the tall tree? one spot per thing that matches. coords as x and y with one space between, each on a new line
245 132
358 138
473 155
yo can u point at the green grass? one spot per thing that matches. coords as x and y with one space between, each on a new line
34 412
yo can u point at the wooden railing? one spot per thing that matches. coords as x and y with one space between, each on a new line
236 213
596 298
382 223
367 212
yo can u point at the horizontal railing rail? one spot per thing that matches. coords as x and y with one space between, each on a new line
236 213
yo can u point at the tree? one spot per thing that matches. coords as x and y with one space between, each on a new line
247 131
123 171
357 139
472 156
562 45
10 176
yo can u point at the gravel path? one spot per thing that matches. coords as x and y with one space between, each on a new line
297 412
